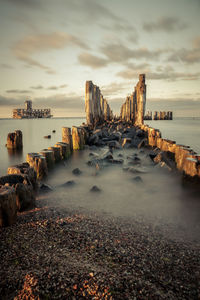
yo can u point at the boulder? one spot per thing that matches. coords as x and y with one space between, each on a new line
114 144
126 142
142 143
137 179
67 184
95 189
77 172
45 188
8 207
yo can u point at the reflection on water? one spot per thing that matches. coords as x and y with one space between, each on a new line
15 153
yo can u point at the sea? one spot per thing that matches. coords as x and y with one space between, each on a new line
33 131
160 199
184 131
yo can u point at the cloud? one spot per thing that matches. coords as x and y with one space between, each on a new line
188 56
30 45
6 101
37 87
167 24
53 87
117 52
166 73
92 61
68 101
93 10
6 66
114 88
28 3
196 42
18 91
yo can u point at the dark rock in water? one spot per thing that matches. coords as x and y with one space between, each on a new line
140 133
93 140
143 143
93 154
47 136
116 161
77 171
93 147
95 189
69 183
114 144
53 131
137 169
152 154
107 155
120 155
137 179
45 188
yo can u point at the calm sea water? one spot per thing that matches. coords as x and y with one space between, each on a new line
183 131
33 131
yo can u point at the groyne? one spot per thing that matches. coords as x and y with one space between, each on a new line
102 130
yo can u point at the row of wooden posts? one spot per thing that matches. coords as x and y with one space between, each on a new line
45 160
186 159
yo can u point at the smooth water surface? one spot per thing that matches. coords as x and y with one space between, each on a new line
33 131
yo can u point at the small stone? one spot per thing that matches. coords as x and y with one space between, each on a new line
95 189
69 183
47 136
77 171
137 179
45 188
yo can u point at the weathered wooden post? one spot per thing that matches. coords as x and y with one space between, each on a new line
67 137
64 149
14 140
56 152
8 206
38 162
77 138
49 156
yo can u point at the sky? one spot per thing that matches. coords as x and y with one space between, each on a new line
49 48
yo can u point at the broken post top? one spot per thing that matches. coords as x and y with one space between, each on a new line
96 107
133 110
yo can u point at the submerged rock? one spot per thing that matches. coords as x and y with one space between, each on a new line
77 172
47 136
68 183
95 189
45 188
137 179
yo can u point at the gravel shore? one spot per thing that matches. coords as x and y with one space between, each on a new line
67 253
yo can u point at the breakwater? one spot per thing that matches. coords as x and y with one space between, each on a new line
101 130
